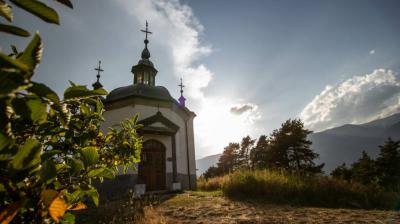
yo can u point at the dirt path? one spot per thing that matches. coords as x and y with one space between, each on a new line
199 207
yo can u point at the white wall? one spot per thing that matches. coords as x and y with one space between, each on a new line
115 116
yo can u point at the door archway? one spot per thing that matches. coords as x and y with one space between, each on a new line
152 165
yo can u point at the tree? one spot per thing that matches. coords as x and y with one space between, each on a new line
364 169
388 164
51 150
342 172
212 171
244 152
290 149
258 155
228 161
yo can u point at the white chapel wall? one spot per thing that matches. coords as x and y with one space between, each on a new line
115 116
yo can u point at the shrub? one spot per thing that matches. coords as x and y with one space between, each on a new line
210 184
52 149
283 187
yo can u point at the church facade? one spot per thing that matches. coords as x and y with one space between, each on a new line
168 153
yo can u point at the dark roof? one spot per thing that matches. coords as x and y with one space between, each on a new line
140 90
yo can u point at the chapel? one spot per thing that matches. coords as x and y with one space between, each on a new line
168 153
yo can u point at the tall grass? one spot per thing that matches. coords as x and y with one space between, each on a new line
282 187
211 184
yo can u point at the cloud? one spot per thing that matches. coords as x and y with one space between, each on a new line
180 34
372 51
356 100
239 110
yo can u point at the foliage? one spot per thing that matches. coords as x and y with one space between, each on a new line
51 149
388 165
279 186
244 152
342 172
210 184
212 171
129 209
259 154
364 170
287 148
290 149
229 158
384 171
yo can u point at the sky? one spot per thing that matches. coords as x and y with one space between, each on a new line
247 65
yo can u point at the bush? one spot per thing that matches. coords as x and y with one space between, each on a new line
211 184
282 187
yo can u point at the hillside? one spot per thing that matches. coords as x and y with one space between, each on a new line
204 163
345 143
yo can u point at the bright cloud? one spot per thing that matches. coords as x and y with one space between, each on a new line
356 100
215 125
180 35
372 51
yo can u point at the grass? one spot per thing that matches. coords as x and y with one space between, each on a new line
284 188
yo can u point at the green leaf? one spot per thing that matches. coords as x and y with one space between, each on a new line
81 92
85 110
101 172
11 82
38 9
68 218
14 49
43 91
8 64
66 3
90 156
49 154
28 155
32 53
5 11
94 195
4 141
76 165
48 171
30 107
37 110
14 30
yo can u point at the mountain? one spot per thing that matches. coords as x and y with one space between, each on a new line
204 163
345 143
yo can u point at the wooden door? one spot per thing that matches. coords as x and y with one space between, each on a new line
152 166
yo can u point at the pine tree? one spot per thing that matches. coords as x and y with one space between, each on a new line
342 172
258 155
229 158
244 152
212 171
364 169
388 164
290 149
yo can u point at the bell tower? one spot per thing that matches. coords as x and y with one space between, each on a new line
144 72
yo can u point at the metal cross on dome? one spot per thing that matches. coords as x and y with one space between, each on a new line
146 30
182 86
98 69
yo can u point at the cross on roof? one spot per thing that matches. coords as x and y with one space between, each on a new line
146 30
98 69
182 86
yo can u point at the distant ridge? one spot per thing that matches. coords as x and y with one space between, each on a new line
345 143
204 163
